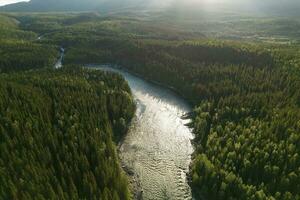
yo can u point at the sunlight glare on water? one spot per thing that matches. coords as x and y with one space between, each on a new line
157 147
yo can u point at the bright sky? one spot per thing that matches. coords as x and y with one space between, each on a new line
4 2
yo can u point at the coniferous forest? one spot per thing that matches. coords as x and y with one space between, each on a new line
56 135
59 128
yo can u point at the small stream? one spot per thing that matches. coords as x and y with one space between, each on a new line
157 148
59 62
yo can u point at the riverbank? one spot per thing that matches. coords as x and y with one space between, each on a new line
134 180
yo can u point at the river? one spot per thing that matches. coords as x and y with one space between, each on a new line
158 145
157 148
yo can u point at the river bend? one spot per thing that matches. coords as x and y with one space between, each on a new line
158 145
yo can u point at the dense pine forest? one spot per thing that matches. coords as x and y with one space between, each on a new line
246 96
19 51
59 128
56 135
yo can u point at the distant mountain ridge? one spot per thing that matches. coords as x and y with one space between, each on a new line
70 5
268 7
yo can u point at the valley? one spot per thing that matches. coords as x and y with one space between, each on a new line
204 106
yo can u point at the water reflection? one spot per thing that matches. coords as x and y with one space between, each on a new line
157 147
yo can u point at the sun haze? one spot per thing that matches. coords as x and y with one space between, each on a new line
5 2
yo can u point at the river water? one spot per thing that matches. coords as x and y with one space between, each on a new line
157 147
58 64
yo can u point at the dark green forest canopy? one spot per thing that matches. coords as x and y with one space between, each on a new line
56 134
58 129
246 120
246 94
20 50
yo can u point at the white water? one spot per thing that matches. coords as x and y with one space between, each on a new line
58 64
158 148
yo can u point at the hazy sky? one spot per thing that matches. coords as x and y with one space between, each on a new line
4 2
